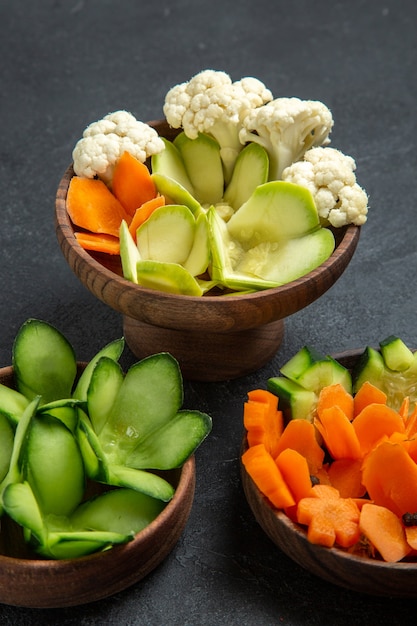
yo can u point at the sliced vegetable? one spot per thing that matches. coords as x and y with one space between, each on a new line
167 235
250 170
132 183
265 473
385 532
109 244
169 277
262 419
143 212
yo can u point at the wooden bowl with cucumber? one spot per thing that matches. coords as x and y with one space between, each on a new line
71 534
216 336
362 567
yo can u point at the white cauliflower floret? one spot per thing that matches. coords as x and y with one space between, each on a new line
211 103
287 128
330 176
104 141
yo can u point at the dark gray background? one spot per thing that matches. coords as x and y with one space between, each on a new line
66 63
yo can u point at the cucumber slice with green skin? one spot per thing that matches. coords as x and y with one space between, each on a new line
251 170
44 362
12 403
369 367
397 356
53 466
20 504
64 410
299 363
113 350
324 373
199 257
202 162
129 253
121 510
288 260
72 545
169 277
106 380
140 480
169 163
276 211
295 401
175 193
6 445
167 235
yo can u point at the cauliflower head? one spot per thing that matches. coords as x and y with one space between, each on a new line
104 141
287 128
211 103
330 176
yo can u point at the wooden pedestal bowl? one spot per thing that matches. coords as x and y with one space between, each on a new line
357 573
27 580
213 337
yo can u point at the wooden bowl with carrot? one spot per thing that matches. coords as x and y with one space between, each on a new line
390 569
214 337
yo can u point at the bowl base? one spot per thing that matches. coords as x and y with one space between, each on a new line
207 356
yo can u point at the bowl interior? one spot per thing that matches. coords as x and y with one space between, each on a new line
25 579
337 566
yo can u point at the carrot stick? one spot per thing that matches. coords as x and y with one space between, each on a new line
368 394
389 475
143 212
335 395
330 518
294 469
338 434
132 183
98 242
385 532
346 476
262 419
92 206
300 435
264 472
374 423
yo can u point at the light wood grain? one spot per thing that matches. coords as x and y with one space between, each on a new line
241 330
26 580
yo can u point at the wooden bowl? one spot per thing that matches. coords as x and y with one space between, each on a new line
357 573
213 337
28 581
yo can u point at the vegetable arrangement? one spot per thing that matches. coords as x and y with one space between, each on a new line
243 199
61 434
346 468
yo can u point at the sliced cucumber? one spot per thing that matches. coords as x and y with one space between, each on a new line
140 480
12 403
303 359
113 350
167 235
288 260
6 445
129 253
251 170
106 380
169 277
44 362
20 504
369 367
175 193
121 510
276 211
199 257
397 356
202 162
295 401
324 373
169 163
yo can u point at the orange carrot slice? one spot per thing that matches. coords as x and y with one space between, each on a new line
143 212
346 476
411 423
338 434
374 423
385 532
300 435
264 472
262 419
411 536
368 394
132 183
335 395
389 475
294 469
92 206
330 518
98 242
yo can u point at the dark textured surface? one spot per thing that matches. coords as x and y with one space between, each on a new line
65 63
